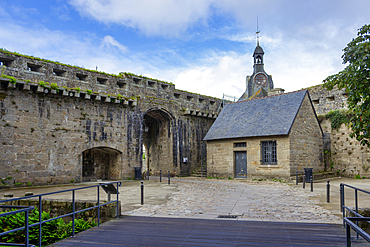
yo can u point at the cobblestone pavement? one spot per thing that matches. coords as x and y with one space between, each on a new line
249 200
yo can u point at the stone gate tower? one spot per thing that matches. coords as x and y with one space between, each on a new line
259 79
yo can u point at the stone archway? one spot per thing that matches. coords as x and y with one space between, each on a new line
157 139
101 163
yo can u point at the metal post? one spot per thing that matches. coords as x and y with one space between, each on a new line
169 175
304 181
117 202
344 211
356 205
311 181
73 216
328 192
160 176
26 228
147 175
142 193
108 196
296 178
348 235
341 198
40 219
98 207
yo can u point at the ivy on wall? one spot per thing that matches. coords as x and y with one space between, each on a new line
337 118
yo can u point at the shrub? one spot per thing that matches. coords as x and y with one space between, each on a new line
54 86
51 231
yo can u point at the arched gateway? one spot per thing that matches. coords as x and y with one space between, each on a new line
158 140
101 163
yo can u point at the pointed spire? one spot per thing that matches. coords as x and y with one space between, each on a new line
257 34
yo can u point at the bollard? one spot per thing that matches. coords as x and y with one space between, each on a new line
160 176
296 178
142 193
328 192
169 175
147 175
311 181
304 181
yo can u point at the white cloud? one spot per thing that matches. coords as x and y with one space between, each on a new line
85 50
161 17
216 74
109 41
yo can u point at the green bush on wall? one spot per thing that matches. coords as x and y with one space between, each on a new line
337 118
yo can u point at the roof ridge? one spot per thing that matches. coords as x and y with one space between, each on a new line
269 96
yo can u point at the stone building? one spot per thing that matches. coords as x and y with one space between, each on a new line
268 137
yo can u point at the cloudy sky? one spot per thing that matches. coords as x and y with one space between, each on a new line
202 46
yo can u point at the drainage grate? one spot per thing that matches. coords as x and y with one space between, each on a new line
228 216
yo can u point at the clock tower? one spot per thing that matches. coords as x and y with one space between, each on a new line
259 79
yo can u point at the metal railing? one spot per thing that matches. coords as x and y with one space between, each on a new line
27 209
348 221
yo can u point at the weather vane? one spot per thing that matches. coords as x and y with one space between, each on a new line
257 33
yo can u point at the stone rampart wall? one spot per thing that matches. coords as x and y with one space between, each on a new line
45 128
346 156
325 101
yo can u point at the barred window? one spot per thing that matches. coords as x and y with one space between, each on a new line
268 153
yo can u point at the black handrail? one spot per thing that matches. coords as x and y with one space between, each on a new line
347 221
40 222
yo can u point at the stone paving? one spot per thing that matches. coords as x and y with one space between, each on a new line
250 200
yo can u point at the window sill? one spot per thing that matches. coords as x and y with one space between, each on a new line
268 166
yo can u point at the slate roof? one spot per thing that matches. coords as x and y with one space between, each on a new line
258 50
268 116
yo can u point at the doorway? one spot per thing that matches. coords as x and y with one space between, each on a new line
157 141
240 164
101 163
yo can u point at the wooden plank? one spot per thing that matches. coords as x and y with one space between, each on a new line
157 231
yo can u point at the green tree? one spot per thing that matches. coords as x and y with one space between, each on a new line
355 79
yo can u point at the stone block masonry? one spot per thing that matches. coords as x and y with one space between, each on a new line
344 156
62 124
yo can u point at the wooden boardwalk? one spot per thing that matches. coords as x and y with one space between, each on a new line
157 231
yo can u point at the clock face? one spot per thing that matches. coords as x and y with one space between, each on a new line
260 79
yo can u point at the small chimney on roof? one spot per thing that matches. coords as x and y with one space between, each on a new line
275 91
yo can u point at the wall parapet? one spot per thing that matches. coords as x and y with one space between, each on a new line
325 101
56 78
